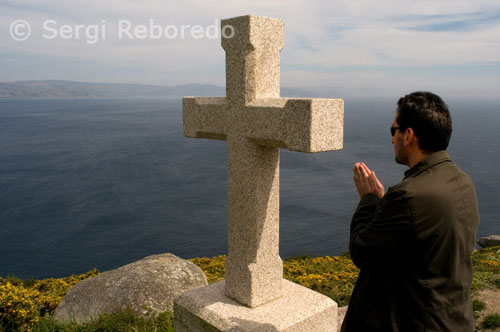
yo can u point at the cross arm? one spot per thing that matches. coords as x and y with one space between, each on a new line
204 117
302 125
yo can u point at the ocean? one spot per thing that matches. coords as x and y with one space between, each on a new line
101 183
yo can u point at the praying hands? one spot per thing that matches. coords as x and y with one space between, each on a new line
366 181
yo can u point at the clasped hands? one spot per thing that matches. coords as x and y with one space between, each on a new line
366 182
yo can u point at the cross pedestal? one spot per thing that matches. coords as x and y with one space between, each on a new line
256 123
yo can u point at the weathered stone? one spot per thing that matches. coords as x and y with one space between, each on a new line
341 315
148 285
489 241
256 123
298 310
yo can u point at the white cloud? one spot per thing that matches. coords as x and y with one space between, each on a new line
327 42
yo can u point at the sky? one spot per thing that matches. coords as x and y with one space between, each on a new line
450 47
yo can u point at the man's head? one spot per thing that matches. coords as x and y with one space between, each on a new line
423 125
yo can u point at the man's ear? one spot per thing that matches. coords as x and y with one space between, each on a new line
409 137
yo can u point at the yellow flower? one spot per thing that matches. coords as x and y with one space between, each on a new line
22 306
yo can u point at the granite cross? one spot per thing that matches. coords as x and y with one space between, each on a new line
256 123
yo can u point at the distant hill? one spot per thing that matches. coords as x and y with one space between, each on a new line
70 89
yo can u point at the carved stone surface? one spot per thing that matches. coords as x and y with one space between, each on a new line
256 123
298 310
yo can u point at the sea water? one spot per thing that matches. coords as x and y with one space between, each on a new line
103 182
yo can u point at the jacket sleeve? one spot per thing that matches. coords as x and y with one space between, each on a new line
382 233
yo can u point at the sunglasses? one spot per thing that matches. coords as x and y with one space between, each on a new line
393 130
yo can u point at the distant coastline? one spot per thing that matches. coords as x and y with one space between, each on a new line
61 89
57 89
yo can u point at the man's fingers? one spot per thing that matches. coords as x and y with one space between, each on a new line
365 167
378 187
366 181
363 171
358 171
378 181
362 167
372 179
355 168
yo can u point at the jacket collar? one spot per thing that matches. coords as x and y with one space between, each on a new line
429 161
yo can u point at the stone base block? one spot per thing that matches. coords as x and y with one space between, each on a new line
207 309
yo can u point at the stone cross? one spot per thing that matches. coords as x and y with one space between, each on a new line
256 123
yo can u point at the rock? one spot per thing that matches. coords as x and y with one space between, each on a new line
489 241
148 285
341 312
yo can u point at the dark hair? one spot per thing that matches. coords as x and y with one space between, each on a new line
428 116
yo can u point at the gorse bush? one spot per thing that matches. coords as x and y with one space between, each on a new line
213 267
22 303
18 307
27 305
332 276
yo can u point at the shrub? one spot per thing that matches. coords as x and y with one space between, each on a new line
478 305
126 320
122 321
28 304
52 290
334 277
213 267
497 282
491 321
486 264
331 276
22 303
18 309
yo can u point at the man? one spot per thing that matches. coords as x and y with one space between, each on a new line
413 244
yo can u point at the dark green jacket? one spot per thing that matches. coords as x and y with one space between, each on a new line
414 248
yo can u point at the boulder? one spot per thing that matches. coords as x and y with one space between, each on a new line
340 319
489 241
146 286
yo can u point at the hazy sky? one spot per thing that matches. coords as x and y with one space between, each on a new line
447 46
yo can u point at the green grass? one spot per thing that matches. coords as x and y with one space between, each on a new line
496 282
491 321
123 321
486 263
334 277
478 305
331 276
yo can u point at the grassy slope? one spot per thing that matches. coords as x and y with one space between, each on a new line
28 304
